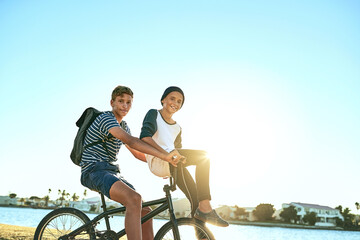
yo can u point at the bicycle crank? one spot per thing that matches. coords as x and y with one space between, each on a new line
109 235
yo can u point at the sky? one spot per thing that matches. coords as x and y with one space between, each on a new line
271 92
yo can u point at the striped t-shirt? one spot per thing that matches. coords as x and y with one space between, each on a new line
99 130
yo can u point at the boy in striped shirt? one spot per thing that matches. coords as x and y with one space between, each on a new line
99 171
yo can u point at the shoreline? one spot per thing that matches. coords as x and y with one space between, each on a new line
13 232
25 206
285 225
245 223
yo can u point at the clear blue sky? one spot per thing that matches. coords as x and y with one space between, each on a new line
272 92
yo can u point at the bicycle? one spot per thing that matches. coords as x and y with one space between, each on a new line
70 223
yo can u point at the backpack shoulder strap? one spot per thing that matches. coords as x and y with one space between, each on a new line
86 113
102 141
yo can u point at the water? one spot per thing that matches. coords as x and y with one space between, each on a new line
31 217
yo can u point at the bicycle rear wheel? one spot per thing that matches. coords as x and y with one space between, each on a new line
63 221
189 229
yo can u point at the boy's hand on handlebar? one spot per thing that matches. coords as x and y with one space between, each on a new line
175 158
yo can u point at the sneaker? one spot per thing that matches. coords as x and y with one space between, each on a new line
211 217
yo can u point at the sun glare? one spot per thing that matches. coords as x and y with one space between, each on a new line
239 143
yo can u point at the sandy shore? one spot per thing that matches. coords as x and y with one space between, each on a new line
10 232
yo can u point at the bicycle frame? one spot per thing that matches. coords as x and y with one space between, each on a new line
166 203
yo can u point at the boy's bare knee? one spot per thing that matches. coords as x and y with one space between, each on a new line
134 200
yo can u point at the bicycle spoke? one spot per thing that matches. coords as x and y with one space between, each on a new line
63 224
188 230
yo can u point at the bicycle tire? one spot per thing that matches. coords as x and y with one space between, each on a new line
189 228
62 221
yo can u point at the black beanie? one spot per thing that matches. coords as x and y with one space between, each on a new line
173 89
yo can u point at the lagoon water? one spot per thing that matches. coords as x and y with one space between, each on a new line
31 217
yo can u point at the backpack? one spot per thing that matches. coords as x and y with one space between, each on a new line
84 122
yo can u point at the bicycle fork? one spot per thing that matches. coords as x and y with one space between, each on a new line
172 215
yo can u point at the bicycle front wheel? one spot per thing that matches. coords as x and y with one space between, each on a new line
63 221
189 229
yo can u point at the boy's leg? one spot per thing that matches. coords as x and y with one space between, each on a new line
147 227
122 193
202 172
204 212
187 185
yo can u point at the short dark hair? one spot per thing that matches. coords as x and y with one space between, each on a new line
120 90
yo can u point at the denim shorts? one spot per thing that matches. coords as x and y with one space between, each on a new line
101 176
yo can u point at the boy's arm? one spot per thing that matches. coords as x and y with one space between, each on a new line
142 146
151 142
137 154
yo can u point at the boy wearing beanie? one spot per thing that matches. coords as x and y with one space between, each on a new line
161 131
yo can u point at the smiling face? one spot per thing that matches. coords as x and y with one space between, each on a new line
172 102
121 105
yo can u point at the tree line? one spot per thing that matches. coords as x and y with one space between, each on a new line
63 196
264 212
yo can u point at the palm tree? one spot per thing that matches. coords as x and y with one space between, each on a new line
46 199
75 197
62 194
85 193
357 208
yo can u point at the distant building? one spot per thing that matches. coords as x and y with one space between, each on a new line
250 216
181 206
81 205
93 204
326 216
6 200
228 212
